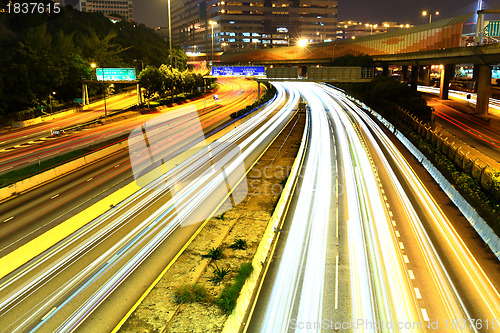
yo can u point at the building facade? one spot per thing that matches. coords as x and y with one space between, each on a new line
356 29
253 24
123 8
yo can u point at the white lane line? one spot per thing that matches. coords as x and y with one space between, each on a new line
424 314
397 233
90 179
48 314
390 214
405 257
417 293
393 222
410 273
387 205
401 246
7 220
336 281
55 196
385 198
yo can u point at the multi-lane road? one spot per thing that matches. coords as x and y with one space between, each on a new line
368 239
397 258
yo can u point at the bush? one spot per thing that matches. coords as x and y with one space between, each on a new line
189 293
218 274
227 300
239 244
214 253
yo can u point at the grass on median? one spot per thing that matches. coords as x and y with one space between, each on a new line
14 176
227 300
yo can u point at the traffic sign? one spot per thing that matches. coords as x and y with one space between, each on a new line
40 107
78 100
492 29
115 74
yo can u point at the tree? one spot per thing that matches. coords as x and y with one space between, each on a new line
151 79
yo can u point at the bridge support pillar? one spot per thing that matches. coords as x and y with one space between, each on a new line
385 70
425 74
483 89
404 73
258 90
414 77
447 73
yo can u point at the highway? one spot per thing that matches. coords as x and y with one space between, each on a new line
408 263
68 195
111 255
26 146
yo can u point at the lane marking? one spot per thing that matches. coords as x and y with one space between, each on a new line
424 314
116 166
401 246
390 214
393 222
417 293
387 205
405 257
48 314
90 179
410 273
55 196
397 233
385 198
7 220
336 281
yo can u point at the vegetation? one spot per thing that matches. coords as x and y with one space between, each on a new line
227 300
44 53
385 94
218 274
239 244
270 93
214 253
351 60
189 293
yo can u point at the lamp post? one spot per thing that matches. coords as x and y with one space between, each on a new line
212 23
169 35
50 99
424 13
194 52
93 65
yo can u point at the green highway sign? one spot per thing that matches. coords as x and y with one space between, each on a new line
78 100
115 74
40 107
492 29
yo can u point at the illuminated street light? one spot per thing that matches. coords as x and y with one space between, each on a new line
212 23
169 34
425 13
302 42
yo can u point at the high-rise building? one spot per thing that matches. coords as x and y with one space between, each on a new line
245 24
123 8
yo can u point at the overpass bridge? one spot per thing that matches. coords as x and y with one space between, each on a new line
415 49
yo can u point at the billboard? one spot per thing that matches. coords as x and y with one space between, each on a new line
238 71
115 74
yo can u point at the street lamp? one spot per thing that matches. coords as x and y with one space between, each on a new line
302 42
194 52
169 34
224 44
50 99
424 13
212 23
93 65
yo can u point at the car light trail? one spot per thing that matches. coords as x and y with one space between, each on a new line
144 239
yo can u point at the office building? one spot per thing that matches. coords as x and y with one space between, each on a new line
123 8
255 24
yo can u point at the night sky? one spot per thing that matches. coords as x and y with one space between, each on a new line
153 13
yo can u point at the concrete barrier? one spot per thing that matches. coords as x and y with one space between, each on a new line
235 320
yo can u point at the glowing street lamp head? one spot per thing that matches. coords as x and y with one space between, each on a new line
424 13
93 65
212 23
302 42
